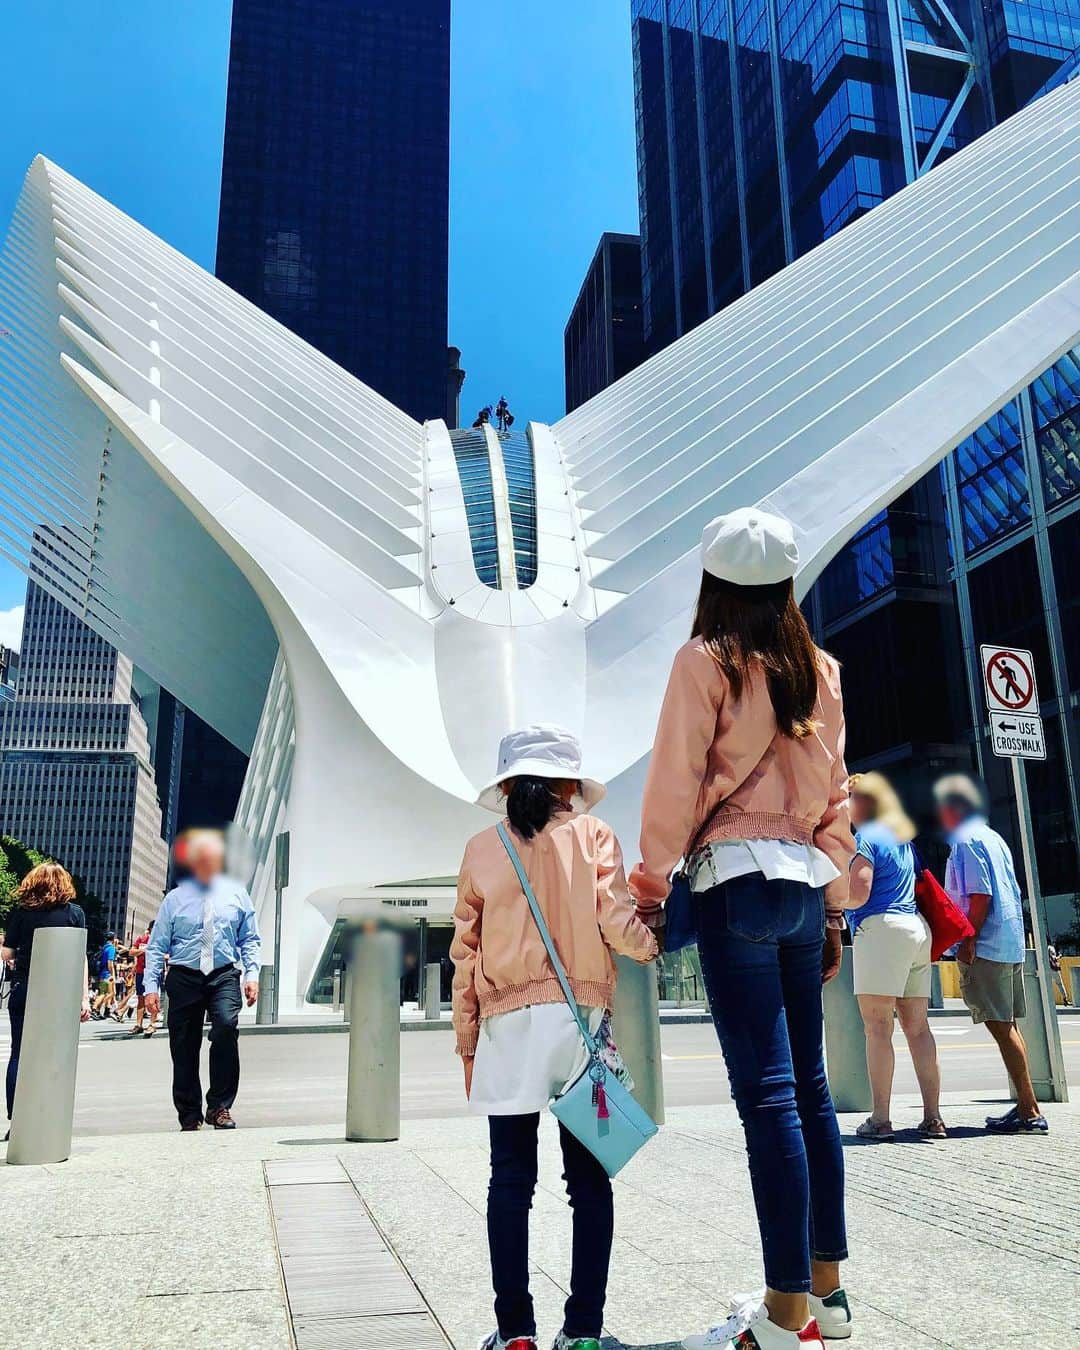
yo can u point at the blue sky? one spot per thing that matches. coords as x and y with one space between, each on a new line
129 96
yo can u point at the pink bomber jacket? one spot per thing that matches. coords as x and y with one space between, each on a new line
500 963
721 760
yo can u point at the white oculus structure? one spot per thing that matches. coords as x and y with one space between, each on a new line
263 533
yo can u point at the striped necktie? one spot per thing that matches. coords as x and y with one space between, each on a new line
206 954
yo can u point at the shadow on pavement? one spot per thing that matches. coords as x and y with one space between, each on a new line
956 1132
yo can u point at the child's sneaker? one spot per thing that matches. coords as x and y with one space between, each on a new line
496 1342
832 1315
749 1328
564 1342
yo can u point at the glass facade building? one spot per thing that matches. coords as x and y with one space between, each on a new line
764 127
603 339
76 781
335 183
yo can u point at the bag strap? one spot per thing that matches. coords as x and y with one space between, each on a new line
545 936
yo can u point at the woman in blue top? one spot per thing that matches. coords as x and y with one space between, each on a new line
891 943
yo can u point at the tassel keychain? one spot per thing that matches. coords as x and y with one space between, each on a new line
602 1112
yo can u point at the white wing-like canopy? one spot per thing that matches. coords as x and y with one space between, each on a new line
217 490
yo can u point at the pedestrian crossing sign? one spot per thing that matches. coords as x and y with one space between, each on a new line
1009 680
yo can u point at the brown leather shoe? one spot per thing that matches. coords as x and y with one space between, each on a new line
221 1119
187 1126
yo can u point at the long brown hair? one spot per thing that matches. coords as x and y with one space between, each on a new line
46 886
745 624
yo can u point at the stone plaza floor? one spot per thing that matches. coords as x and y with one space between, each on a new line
171 1240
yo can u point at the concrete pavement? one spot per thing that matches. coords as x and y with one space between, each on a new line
168 1239
123 1085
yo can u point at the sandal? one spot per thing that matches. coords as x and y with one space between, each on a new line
933 1127
875 1129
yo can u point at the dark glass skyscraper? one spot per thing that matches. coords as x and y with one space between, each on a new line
335 183
603 337
764 127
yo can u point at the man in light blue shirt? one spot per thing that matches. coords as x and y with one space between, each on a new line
207 928
981 879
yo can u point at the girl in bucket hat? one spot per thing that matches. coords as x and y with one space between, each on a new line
517 1037
747 783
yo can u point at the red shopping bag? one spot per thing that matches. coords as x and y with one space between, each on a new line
948 922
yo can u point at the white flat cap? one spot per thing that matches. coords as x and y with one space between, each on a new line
750 548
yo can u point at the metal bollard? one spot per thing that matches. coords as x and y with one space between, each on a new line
264 1008
1033 1030
433 991
373 1103
936 998
845 1041
45 1092
636 1027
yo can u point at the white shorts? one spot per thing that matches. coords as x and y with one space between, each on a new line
892 956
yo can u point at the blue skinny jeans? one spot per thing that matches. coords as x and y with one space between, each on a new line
760 944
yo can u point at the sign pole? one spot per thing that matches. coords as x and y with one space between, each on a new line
1059 1086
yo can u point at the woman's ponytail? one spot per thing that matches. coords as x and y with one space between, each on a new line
530 804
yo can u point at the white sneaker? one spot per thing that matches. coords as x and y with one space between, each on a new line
749 1328
832 1314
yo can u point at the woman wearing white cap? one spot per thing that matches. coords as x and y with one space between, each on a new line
516 1034
747 783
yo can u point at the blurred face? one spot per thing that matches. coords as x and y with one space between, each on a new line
950 816
206 858
862 808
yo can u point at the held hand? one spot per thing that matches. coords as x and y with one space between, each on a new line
831 955
251 992
965 953
467 1064
152 1002
84 1011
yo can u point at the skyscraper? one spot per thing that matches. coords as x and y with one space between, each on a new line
603 338
335 183
764 128
75 776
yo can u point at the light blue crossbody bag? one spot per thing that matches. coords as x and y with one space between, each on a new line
596 1108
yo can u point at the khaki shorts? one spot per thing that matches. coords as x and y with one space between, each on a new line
892 956
993 990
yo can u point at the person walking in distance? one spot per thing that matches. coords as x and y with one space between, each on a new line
45 899
891 951
747 784
1057 979
981 878
138 947
106 981
207 928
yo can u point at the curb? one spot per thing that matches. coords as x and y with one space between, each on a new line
673 1017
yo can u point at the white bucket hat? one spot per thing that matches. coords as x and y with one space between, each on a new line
749 548
543 750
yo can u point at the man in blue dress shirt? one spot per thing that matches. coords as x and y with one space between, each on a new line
207 928
981 878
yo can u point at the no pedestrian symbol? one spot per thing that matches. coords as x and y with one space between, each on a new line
1009 679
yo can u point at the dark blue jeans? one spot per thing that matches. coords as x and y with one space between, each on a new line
510 1194
760 944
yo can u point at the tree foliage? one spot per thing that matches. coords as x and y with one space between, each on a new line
16 859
